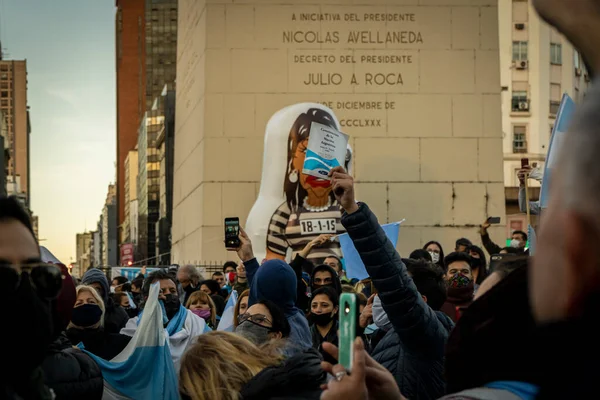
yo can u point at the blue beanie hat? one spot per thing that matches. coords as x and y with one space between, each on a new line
94 275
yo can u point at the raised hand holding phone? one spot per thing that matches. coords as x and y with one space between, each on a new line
245 252
343 189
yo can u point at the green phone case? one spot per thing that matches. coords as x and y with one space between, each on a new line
347 326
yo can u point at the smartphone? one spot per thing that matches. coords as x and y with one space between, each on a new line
524 163
232 232
493 220
348 320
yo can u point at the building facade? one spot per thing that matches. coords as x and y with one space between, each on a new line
165 143
161 48
238 64
96 246
131 90
109 249
538 65
130 188
146 61
148 184
13 105
4 153
83 246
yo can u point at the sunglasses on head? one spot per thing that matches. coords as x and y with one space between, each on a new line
46 279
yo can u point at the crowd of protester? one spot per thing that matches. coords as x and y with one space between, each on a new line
435 325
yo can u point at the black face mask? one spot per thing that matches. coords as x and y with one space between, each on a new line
172 305
137 298
321 319
86 315
27 344
131 312
315 286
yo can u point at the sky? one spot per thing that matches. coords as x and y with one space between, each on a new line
70 50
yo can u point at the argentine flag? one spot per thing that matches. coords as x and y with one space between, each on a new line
355 269
130 272
144 369
226 323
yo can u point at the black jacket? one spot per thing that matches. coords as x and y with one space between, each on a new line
331 337
413 350
491 247
299 377
99 342
300 264
71 373
28 387
115 317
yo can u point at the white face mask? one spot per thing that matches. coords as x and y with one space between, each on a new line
515 243
435 257
380 318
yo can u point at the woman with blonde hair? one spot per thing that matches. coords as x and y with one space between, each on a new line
202 305
241 306
86 328
226 366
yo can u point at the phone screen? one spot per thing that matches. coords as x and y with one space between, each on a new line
232 231
493 220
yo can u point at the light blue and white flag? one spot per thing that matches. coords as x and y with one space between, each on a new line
226 323
557 141
354 265
181 330
130 272
144 369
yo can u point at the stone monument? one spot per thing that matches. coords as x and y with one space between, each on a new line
415 83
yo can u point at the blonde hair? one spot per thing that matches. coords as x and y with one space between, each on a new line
236 310
220 363
94 293
199 296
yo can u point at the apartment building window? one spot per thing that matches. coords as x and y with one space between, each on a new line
519 51
576 59
555 96
519 139
556 53
520 101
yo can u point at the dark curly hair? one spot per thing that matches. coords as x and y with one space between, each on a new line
429 279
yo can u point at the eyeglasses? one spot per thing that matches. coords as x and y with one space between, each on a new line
46 279
256 318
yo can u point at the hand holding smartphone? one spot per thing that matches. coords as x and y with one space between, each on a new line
348 320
